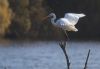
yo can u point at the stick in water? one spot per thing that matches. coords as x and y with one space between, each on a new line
85 67
63 45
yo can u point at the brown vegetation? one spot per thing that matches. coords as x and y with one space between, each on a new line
27 18
5 17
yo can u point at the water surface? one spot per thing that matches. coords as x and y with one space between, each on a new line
48 55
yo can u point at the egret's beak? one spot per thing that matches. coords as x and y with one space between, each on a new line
45 18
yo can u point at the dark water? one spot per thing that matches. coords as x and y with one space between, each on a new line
48 55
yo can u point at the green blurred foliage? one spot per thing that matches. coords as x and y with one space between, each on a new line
27 21
21 23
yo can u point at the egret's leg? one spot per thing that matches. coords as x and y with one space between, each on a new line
66 35
62 44
65 38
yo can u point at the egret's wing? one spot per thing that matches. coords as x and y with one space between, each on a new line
74 14
73 17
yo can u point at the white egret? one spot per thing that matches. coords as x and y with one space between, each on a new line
67 23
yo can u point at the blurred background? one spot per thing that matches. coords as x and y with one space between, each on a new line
22 19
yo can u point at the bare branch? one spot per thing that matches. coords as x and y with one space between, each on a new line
85 67
63 45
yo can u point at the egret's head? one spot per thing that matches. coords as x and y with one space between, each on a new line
51 15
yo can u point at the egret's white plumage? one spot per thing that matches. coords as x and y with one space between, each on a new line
68 22
73 17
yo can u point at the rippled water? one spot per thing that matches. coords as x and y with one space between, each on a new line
48 55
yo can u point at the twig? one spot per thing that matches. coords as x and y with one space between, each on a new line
85 67
63 45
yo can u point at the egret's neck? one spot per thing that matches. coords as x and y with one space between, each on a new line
53 19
